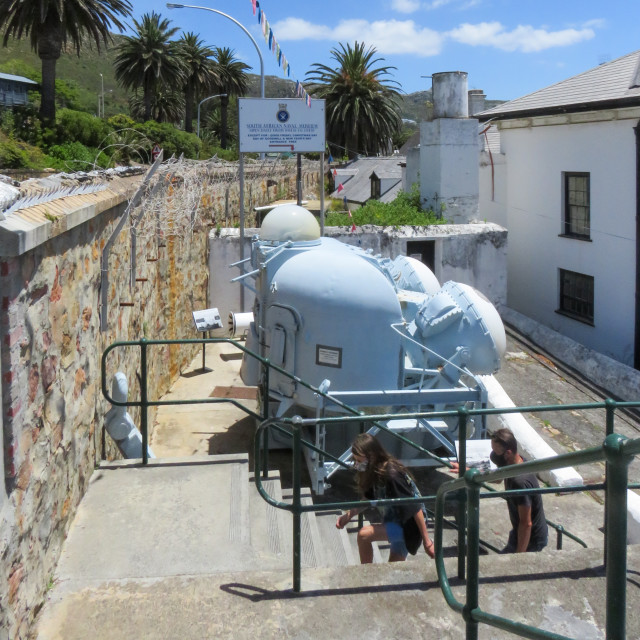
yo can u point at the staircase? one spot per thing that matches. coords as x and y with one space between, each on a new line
187 549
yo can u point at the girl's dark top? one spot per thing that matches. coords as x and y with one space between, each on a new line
396 485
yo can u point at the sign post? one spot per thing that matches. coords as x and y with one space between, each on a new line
206 320
155 152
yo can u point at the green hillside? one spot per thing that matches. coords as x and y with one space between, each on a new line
83 76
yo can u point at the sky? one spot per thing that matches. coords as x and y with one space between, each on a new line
509 48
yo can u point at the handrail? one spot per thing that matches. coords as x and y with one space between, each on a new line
472 615
618 452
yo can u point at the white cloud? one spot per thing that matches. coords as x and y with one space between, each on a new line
596 23
387 36
523 38
436 4
405 6
408 37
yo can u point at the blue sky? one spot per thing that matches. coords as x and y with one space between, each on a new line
508 47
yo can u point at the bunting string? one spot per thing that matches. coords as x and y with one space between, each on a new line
274 47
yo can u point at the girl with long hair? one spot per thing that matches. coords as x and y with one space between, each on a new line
380 476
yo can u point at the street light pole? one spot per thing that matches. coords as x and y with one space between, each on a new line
218 95
101 102
102 93
171 5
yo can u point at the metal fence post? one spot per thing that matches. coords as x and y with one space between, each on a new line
265 415
473 553
143 401
610 407
616 541
297 556
462 507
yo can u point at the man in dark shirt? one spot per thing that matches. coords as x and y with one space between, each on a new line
529 525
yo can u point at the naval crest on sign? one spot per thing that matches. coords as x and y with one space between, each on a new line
283 114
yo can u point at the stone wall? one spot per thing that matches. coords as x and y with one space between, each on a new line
50 354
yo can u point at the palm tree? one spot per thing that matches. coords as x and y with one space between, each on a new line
51 24
149 59
232 80
167 105
361 108
200 72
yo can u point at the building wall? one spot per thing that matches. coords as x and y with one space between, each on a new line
50 354
536 157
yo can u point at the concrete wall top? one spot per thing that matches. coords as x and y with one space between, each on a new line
28 228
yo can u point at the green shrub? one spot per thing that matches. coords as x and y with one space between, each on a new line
78 126
404 210
15 154
120 121
74 156
171 140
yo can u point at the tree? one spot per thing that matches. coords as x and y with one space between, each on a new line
149 59
232 80
361 108
200 73
167 105
51 24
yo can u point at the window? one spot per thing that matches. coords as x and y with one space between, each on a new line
375 187
577 210
576 295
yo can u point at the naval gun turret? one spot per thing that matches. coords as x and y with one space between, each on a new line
380 335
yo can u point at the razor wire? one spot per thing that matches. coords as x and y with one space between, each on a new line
189 195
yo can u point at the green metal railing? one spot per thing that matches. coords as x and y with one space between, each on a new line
616 451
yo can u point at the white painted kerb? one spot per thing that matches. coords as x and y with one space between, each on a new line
529 442
534 448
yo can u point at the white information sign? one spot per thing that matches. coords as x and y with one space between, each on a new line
281 125
207 319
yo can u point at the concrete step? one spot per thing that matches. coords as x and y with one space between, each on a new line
336 541
561 592
268 525
174 516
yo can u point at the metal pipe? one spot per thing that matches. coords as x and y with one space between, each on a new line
462 507
172 5
616 569
473 553
297 557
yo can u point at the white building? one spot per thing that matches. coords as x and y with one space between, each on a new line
566 185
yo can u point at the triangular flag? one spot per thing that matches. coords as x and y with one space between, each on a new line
270 38
253 4
353 228
330 161
335 171
340 188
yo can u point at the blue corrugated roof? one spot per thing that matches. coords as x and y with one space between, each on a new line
8 76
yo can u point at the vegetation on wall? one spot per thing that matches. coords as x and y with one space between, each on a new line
404 210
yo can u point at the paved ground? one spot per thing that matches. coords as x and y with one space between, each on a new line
530 377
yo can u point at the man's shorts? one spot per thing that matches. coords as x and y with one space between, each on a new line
395 535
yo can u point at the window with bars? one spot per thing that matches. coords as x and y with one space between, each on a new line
577 207
576 295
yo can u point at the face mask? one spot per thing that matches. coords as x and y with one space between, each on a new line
361 466
498 460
